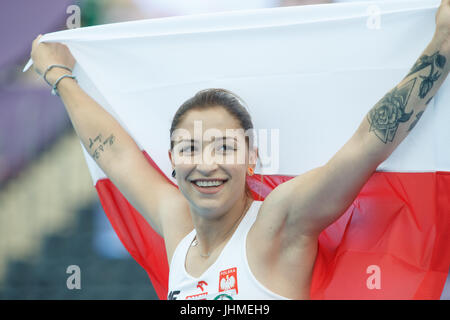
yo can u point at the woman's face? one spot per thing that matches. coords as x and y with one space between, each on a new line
210 145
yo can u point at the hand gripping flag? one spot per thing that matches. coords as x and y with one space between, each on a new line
309 75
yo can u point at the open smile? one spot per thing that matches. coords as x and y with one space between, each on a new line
208 186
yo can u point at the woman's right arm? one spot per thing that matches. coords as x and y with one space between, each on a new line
112 148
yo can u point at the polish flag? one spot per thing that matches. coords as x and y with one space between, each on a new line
309 75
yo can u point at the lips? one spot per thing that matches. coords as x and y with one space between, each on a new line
209 190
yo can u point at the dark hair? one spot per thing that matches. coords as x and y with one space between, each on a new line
216 97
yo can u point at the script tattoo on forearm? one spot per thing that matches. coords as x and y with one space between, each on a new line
389 112
100 145
434 61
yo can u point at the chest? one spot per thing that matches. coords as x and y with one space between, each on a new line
245 267
216 277
197 265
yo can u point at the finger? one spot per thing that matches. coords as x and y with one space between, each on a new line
36 40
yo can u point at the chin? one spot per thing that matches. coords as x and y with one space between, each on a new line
210 211
209 207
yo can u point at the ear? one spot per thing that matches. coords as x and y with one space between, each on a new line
253 157
171 160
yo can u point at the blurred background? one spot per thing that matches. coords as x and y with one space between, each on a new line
50 215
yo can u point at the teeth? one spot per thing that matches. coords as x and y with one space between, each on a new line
208 183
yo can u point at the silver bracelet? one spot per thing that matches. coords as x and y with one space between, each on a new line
55 89
51 66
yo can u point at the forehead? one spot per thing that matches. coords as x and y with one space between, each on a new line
211 118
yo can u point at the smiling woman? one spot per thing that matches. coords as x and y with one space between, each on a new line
221 242
215 101
212 153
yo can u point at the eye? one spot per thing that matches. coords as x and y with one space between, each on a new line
188 149
226 147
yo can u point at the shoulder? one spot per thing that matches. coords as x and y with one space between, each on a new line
283 210
274 210
274 224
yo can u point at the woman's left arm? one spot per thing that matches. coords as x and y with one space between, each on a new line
318 197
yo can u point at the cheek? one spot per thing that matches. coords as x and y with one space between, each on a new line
184 160
238 174
183 170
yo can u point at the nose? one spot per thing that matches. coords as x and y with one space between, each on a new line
206 170
208 161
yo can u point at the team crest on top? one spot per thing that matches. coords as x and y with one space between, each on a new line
228 280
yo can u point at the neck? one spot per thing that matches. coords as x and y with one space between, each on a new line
214 232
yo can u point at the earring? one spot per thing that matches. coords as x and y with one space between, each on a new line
250 171
173 173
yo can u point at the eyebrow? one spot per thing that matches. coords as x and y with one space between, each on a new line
193 140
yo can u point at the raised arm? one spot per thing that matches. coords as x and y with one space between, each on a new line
314 200
107 142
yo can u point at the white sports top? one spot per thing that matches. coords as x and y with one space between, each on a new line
229 277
